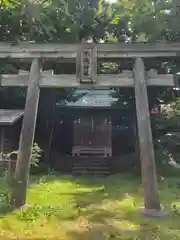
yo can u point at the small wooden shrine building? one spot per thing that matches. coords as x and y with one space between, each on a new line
93 116
10 127
9 130
91 131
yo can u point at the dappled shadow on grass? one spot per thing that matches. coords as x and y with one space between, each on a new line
115 190
93 190
101 232
112 233
88 190
99 208
112 187
105 224
78 200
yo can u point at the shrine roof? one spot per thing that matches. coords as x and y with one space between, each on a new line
9 116
85 98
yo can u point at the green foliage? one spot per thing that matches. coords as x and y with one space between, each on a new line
173 113
66 20
55 20
35 155
33 213
8 173
167 142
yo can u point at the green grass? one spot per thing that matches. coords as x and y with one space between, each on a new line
70 208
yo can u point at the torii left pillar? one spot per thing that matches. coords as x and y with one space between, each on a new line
21 176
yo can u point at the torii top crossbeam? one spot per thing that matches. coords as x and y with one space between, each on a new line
61 51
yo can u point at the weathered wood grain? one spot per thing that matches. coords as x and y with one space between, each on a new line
148 167
65 80
62 51
21 175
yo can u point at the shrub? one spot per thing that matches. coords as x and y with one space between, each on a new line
35 155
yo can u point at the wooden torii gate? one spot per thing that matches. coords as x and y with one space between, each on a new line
86 57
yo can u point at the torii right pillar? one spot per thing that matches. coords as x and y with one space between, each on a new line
148 166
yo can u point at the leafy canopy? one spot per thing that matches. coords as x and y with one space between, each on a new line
70 21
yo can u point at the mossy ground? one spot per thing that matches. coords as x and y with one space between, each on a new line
85 208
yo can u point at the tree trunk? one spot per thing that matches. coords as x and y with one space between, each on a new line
27 137
148 167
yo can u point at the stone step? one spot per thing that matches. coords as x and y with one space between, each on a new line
91 164
91 173
90 167
91 161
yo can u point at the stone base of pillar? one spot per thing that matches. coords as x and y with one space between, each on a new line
152 213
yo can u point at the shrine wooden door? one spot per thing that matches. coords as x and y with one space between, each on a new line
92 135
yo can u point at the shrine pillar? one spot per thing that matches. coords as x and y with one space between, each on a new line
22 170
148 166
